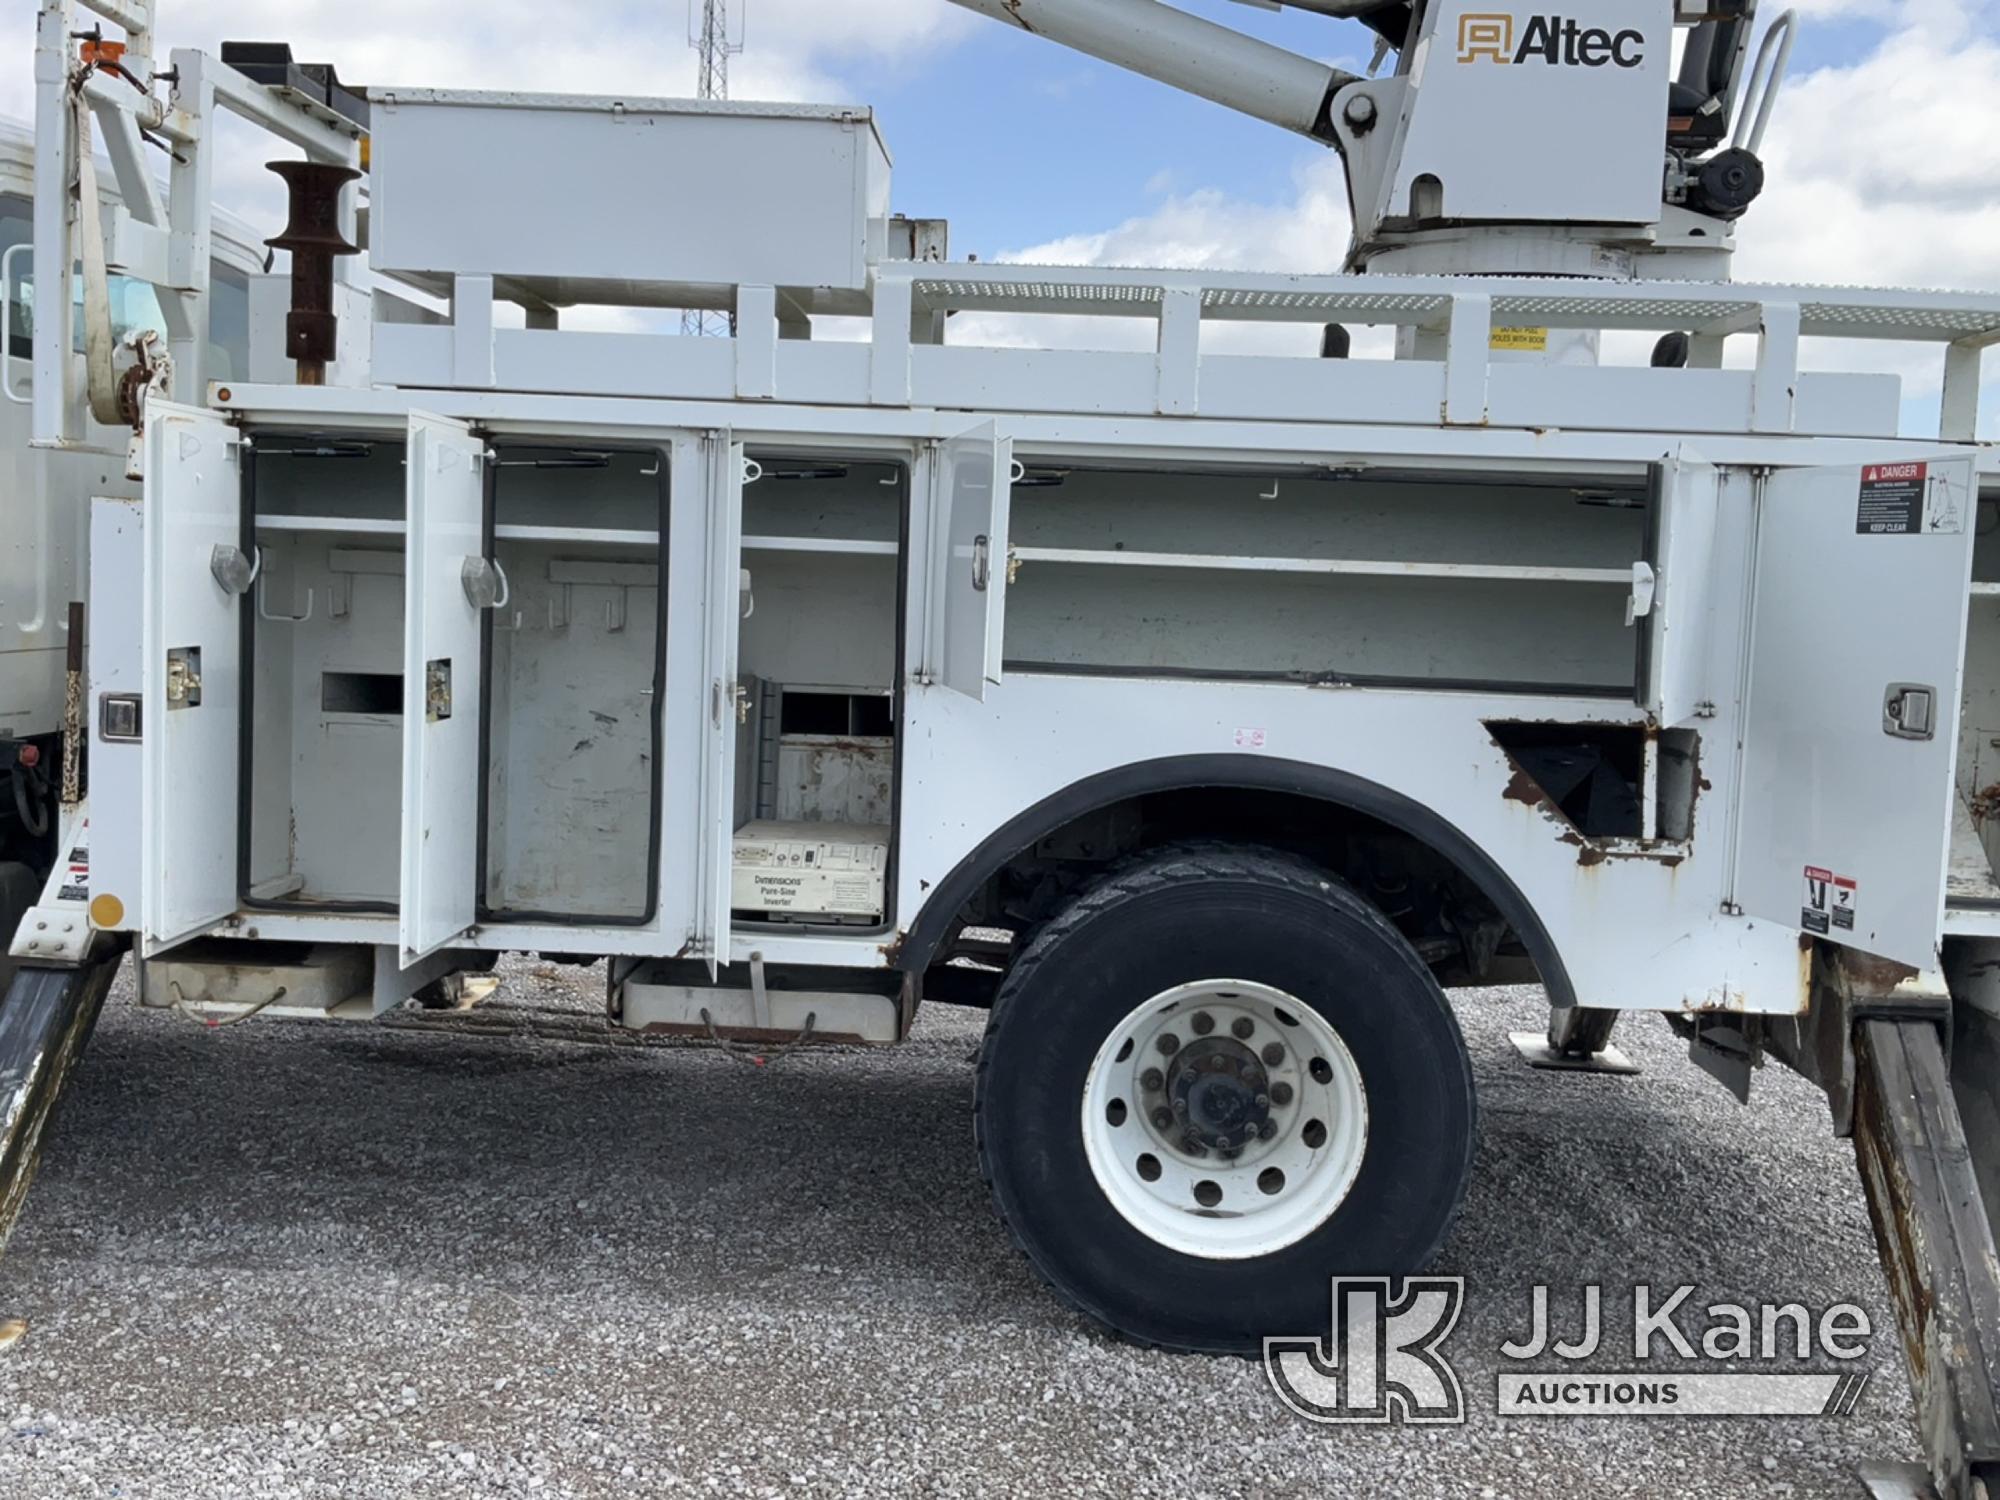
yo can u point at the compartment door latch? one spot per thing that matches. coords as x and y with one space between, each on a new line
1909 711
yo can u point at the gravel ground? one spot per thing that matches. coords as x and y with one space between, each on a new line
291 1260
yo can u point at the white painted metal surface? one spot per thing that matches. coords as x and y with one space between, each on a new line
115 666
441 685
1689 568
1845 826
193 673
1477 61
58 929
727 593
586 198
971 572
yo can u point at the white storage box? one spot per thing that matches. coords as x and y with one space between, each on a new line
597 199
804 870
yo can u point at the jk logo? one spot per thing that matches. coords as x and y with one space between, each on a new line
1381 1361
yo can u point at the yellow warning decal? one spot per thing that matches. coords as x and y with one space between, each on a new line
1534 339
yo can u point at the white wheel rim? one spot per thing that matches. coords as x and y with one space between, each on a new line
1266 1174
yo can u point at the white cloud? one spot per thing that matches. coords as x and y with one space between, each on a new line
795 51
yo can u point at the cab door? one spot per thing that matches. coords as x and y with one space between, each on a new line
448 582
974 484
197 573
1850 723
722 623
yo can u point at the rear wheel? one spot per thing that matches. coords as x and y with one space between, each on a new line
1217 1080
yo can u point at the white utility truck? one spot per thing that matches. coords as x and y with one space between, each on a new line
1203 714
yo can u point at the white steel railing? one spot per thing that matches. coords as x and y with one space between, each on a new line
1459 313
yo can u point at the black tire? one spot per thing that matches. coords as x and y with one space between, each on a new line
1185 916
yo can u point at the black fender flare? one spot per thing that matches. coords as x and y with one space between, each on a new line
1244 773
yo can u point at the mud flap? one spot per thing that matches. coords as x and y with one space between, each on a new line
1918 1142
45 1022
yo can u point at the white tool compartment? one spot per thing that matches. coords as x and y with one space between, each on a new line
583 197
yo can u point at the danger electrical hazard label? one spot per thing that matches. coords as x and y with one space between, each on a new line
1904 500
1829 901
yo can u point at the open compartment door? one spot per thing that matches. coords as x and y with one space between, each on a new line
722 617
975 484
1680 575
1851 720
448 581
196 576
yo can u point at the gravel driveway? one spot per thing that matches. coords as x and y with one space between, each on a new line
282 1259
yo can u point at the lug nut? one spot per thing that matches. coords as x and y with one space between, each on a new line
1163 1119
1268 1129
1281 1093
1274 1054
1180 1106
1152 1080
1169 1044
1241 1028
1203 1023
1263 1101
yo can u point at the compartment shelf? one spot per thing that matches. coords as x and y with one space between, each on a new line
337 525
849 546
597 536
1228 563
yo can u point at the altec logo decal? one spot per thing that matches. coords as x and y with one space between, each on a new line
1557 40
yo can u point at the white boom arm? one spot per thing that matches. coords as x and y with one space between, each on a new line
1185 52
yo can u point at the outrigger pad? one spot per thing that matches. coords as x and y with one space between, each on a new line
1537 1053
1936 1244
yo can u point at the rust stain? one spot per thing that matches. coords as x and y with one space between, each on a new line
1719 999
1875 976
892 951
1984 803
1014 10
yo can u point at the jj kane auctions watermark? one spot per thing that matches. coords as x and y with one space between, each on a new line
1643 1352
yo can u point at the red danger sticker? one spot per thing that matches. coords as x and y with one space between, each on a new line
1911 499
1892 500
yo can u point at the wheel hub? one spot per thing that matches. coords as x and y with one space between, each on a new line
1220 1093
1225 1118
